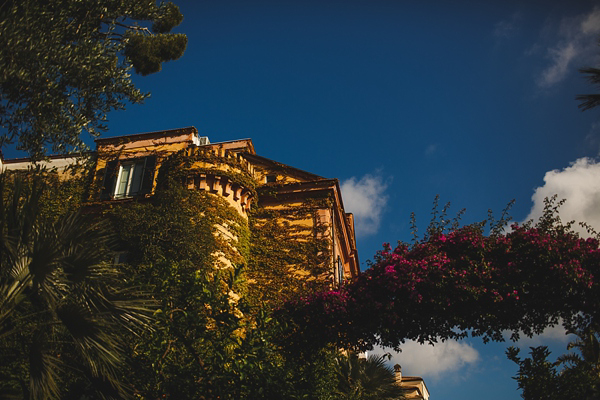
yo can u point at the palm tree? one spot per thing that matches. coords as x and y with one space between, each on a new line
62 306
589 348
583 366
370 378
589 101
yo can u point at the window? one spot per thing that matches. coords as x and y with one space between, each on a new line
340 267
129 181
271 178
120 257
128 178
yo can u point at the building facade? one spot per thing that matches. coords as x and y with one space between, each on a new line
414 386
297 220
301 208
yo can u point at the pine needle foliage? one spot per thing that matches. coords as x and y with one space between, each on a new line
64 65
366 378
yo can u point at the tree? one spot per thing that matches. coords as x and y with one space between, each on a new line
203 345
207 342
65 64
63 308
366 378
588 347
588 101
539 378
458 282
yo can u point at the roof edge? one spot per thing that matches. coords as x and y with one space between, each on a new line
282 165
189 129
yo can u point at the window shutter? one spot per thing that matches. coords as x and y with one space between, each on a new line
148 174
108 184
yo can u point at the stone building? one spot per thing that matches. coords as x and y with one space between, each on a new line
128 168
300 207
414 386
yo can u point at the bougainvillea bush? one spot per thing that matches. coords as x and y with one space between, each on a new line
459 282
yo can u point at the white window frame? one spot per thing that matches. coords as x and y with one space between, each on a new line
134 180
340 271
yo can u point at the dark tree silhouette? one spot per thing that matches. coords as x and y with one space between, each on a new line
65 64
588 101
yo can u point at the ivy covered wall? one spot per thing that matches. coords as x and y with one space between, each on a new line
215 248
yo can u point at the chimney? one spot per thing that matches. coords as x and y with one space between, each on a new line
398 371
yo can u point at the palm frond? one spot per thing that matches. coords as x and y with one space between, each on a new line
368 378
44 371
588 101
58 295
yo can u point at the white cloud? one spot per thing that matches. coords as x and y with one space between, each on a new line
431 149
591 23
366 199
579 184
507 28
445 360
576 43
561 56
593 136
556 334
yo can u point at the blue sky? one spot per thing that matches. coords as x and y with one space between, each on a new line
400 100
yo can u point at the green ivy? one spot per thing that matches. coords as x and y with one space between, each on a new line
212 336
280 267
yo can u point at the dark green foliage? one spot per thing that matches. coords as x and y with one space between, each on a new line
537 377
64 65
206 344
147 53
589 101
289 258
195 350
540 379
588 346
63 308
313 376
366 378
167 17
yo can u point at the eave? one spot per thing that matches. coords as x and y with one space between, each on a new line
277 166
